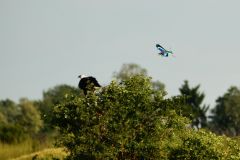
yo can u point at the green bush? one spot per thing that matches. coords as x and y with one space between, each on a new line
205 145
133 121
11 133
119 123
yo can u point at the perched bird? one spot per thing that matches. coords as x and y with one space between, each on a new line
88 83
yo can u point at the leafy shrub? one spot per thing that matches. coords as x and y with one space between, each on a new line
11 133
133 121
205 145
122 122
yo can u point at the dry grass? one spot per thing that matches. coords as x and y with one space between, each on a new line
46 154
10 151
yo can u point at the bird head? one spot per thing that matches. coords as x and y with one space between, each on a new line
81 76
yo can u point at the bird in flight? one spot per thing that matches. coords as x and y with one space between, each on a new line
163 52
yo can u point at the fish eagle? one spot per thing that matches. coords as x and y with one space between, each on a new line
87 83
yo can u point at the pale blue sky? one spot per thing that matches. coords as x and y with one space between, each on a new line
48 42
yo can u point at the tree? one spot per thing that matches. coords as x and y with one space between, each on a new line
225 118
202 144
3 119
129 70
52 97
10 110
10 130
130 120
18 121
121 122
11 133
194 99
30 118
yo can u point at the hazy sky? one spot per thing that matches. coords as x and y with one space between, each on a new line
44 43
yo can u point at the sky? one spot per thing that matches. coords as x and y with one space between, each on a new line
50 42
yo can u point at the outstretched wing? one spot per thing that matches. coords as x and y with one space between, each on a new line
160 48
169 52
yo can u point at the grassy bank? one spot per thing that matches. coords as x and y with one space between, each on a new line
50 153
10 151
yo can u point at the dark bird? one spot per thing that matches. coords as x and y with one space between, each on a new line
88 83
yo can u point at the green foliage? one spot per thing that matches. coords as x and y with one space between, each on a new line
25 119
129 70
131 120
29 119
125 121
128 119
9 111
205 145
56 94
18 121
52 97
194 99
226 114
3 118
10 133
115 124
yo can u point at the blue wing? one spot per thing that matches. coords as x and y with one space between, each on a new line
160 48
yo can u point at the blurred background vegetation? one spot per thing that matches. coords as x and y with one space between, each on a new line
178 127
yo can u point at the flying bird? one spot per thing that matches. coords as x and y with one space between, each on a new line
87 83
163 52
